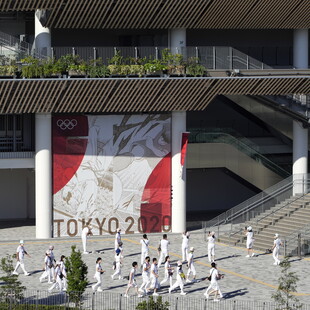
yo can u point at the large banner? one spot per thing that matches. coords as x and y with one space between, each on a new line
111 171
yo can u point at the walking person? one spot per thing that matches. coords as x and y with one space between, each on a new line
276 249
249 241
58 279
20 254
211 246
144 248
118 265
97 276
53 261
86 232
185 244
191 267
146 276
63 271
168 272
118 239
47 268
164 247
214 288
132 280
179 279
154 277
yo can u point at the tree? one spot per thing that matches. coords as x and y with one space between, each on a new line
12 287
76 276
152 304
287 286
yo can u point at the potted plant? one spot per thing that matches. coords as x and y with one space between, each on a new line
154 68
174 62
31 68
136 68
97 69
115 65
51 68
8 67
195 69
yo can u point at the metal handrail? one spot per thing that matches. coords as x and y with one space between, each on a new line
245 148
272 193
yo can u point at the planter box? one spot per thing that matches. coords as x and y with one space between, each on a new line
77 73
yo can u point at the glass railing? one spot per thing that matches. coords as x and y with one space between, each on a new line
241 143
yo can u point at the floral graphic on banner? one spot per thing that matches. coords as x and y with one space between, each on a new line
111 171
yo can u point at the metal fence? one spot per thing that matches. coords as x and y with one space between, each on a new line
113 301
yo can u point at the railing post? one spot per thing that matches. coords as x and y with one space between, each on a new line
196 54
95 55
176 303
231 58
92 301
247 62
120 301
156 52
299 245
285 247
136 52
52 52
214 58
73 51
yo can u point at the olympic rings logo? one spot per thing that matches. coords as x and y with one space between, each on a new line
66 124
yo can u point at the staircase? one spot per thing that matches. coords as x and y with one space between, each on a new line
285 218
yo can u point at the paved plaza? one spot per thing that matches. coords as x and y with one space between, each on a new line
245 278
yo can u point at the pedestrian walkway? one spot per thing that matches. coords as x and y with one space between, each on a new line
245 278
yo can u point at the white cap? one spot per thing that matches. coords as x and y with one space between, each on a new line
179 263
21 242
212 233
51 247
276 235
118 230
192 249
249 228
90 227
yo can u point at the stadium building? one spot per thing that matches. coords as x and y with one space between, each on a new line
140 114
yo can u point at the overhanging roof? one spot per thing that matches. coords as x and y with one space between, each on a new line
167 14
135 94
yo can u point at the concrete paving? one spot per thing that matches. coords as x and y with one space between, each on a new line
245 278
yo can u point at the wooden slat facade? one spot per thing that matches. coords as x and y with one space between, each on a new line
167 14
136 94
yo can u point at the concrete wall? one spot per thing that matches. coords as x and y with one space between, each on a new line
17 194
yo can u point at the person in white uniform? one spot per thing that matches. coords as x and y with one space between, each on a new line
191 267
179 279
86 231
63 272
168 272
47 268
51 249
146 276
144 248
154 277
118 266
185 244
211 246
20 254
118 239
58 279
249 241
164 246
214 288
132 280
98 273
276 249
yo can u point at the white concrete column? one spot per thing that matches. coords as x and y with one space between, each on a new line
177 39
42 39
300 48
43 175
300 156
178 174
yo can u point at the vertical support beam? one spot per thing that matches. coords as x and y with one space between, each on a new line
42 36
178 174
177 38
301 49
43 175
300 157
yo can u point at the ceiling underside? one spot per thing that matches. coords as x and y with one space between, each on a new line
135 95
168 14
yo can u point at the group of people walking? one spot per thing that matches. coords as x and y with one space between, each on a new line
55 271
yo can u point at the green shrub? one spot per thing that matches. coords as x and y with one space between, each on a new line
152 304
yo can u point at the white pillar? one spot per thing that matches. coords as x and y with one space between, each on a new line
301 48
300 156
43 175
177 39
42 37
178 174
